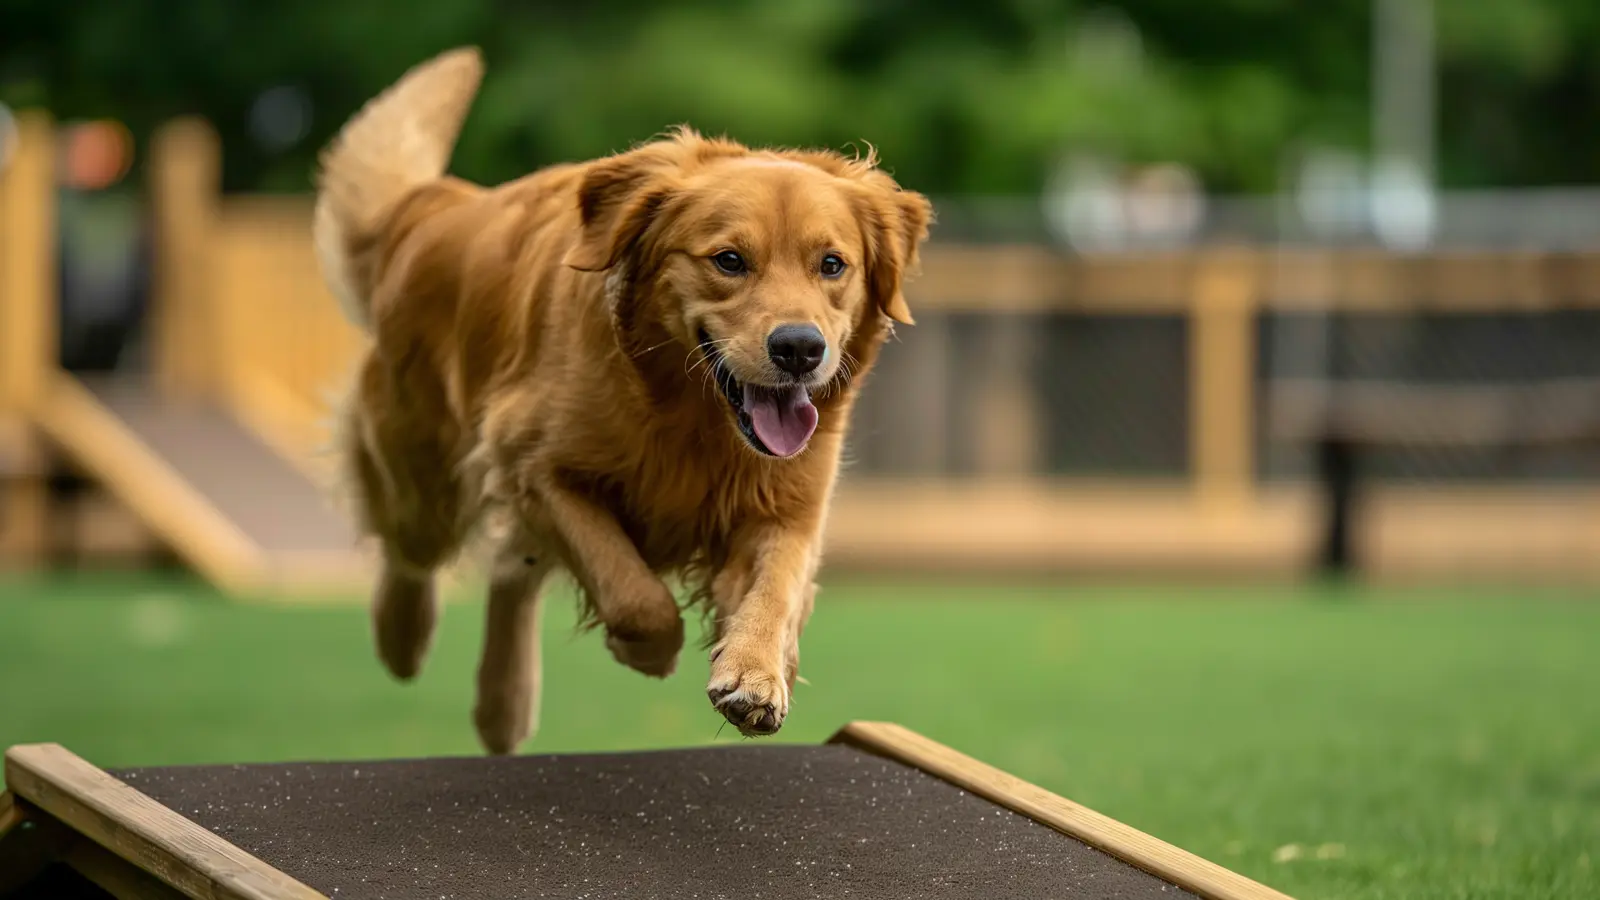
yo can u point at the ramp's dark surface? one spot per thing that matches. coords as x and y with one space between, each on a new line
267 499
770 822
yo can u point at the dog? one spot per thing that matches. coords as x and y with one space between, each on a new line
643 364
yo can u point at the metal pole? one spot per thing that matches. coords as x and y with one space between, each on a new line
1403 83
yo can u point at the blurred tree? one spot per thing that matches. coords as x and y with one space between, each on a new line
958 96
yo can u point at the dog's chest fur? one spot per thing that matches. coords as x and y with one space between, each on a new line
682 494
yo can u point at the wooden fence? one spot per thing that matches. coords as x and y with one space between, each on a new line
243 316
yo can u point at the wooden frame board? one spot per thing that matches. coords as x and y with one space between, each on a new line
141 831
1134 847
138 849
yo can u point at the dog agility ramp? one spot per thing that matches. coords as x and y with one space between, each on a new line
228 505
878 812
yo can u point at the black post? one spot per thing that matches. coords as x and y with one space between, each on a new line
1336 473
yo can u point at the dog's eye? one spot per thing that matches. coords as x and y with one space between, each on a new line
832 266
729 262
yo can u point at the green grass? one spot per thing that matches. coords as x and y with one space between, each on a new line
1440 744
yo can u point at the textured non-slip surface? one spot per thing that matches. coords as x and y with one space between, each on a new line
771 822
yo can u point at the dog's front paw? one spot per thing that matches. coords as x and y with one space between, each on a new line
749 690
653 652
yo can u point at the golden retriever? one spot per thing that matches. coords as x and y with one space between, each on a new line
644 363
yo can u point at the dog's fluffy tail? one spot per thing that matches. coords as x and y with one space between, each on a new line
402 139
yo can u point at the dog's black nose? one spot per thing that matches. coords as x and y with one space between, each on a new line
797 349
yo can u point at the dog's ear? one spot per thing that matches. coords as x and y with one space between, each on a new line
895 223
617 201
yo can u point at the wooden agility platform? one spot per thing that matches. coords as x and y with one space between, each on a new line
227 504
877 812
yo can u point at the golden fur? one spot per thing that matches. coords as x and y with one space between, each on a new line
538 349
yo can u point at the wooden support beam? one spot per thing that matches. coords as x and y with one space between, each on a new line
185 189
28 266
28 329
142 831
1222 364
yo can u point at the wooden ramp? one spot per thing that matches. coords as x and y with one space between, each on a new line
878 812
228 504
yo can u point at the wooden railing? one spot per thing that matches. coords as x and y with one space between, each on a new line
278 348
243 316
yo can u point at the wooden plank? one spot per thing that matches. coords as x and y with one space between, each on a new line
1481 282
1222 362
11 815
1028 278
1032 279
140 830
27 265
1176 866
115 875
24 498
173 509
1133 283
299 431
185 186
1573 279
1550 413
1010 279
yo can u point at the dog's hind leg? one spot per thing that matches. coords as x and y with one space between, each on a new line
408 496
507 708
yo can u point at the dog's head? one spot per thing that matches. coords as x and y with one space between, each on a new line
764 266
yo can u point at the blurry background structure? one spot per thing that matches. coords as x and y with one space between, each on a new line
1201 277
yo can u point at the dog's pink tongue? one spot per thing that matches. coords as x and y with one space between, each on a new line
783 419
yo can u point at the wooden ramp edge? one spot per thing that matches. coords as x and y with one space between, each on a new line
1134 847
138 830
94 436
206 534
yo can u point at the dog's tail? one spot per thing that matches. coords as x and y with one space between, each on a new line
402 139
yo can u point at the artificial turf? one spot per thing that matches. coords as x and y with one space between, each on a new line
1365 743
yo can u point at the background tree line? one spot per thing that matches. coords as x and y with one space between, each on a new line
960 96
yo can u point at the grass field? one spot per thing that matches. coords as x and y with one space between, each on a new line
1417 744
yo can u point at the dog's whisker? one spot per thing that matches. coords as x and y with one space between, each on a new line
704 356
651 349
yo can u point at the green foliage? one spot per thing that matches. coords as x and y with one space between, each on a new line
958 96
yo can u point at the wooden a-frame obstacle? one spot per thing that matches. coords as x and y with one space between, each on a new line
170 444
877 812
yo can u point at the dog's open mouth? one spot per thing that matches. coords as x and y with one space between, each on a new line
777 421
